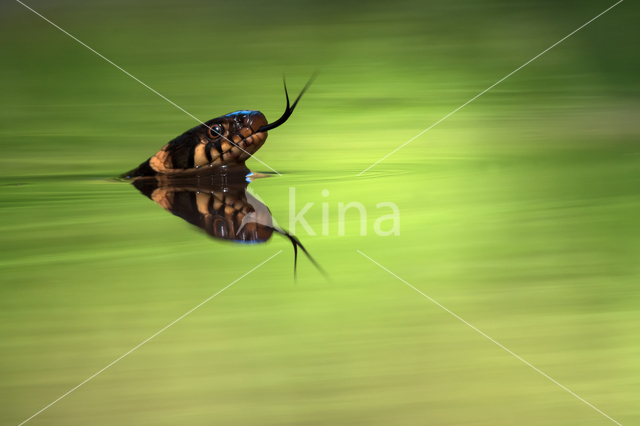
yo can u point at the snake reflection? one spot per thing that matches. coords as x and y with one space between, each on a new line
220 204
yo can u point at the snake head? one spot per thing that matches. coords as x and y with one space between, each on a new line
223 141
228 140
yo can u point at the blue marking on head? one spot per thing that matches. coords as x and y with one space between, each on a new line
249 242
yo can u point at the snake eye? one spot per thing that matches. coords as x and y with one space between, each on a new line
215 131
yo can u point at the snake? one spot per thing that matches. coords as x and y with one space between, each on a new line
222 142
201 177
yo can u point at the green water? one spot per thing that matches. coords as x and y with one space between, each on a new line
519 213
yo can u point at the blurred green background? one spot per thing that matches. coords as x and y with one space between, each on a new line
519 213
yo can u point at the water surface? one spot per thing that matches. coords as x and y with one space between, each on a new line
519 214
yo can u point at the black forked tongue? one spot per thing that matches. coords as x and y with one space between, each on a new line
296 243
289 110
